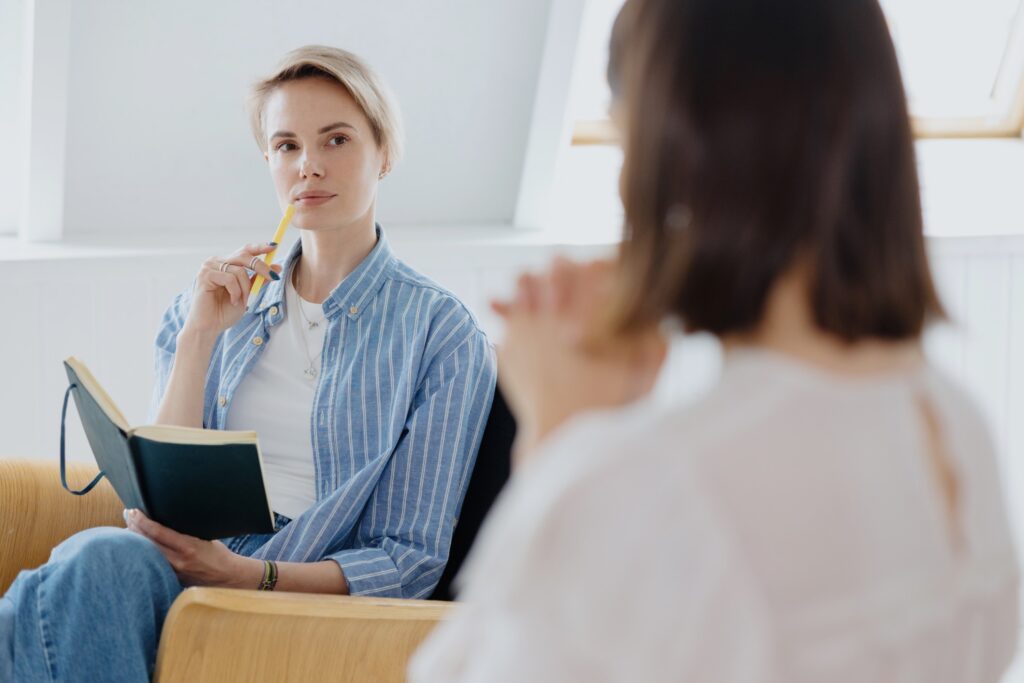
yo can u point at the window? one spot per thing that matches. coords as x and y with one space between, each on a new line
591 94
962 63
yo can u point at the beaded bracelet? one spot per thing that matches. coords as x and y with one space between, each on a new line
269 576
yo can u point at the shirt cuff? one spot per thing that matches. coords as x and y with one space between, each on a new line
369 571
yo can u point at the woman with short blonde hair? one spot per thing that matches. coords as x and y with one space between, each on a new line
349 71
369 386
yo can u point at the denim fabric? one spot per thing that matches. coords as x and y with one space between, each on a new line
92 613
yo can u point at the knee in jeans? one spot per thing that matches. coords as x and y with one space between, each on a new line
108 547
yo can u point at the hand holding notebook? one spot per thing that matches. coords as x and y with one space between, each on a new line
206 483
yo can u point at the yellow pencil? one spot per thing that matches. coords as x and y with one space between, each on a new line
268 258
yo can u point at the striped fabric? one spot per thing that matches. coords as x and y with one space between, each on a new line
405 388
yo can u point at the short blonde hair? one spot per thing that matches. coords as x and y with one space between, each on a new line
349 71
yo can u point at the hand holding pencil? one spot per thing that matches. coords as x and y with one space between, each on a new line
223 288
268 258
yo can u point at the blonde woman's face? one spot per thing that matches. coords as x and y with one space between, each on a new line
321 153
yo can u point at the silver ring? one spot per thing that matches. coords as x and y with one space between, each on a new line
224 266
252 263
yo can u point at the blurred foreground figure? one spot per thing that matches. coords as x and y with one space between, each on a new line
831 510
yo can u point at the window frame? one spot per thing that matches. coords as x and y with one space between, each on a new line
1006 122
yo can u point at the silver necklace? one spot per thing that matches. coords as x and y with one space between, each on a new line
311 370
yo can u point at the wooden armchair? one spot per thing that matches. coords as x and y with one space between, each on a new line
215 634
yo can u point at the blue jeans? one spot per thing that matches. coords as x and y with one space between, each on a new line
95 610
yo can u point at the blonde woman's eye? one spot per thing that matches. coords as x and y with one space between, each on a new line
285 147
338 140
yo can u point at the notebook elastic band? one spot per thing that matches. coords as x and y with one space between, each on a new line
63 476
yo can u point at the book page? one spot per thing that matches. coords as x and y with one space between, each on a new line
101 397
193 435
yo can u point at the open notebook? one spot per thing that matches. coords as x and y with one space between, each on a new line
202 482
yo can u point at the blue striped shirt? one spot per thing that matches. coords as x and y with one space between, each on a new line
405 388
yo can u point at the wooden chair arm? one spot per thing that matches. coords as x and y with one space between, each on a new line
221 634
36 513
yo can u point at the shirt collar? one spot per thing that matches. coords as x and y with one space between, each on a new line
351 295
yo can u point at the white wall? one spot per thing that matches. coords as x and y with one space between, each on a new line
972 187
12 45
158 139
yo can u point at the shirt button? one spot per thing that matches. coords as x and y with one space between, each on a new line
353 310
256 341
273 310
223 401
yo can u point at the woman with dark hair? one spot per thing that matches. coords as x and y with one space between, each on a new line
831 510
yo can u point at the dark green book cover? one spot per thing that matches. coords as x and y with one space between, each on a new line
212 489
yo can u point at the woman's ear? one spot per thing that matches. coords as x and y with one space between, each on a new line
266 156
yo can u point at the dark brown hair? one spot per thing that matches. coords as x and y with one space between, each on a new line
760 134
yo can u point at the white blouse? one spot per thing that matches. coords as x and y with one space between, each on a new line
276 400
789 527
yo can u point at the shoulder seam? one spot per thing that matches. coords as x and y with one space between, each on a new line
441 291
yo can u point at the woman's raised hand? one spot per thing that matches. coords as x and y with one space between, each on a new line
560 355
221 290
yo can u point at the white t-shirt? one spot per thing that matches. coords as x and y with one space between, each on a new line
787 528
276 400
